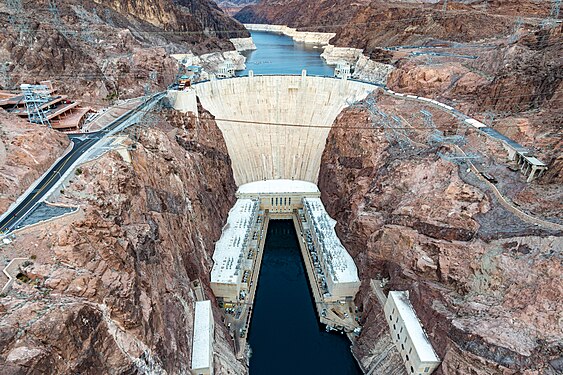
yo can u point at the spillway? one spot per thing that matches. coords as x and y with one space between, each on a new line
275 127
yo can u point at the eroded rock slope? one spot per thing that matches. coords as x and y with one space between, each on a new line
111 289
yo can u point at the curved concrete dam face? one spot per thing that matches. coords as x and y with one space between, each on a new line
260 149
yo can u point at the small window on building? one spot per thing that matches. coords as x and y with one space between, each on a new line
407 356
394 328
402 347
390 317
398 337
410 350
397 321
276 201
405 339
401 329
412 370
272 201
426 369
290 201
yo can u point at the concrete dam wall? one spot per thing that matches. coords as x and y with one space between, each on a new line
259 148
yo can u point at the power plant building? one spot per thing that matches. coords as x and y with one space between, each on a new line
230 251
202 345
410 339
337 264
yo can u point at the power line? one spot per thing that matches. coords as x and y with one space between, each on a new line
266 123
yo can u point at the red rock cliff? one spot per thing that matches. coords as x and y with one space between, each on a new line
109 290
485 284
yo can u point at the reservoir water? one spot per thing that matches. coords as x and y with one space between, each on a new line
279 54
285 336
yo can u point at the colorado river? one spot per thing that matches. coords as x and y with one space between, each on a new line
279 54
285 336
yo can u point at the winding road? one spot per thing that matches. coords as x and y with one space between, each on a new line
81 144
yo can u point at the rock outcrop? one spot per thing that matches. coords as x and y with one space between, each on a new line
484 283
113 291
26 152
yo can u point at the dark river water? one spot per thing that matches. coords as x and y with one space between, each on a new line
279 54
285 336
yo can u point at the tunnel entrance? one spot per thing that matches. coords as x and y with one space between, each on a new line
285 336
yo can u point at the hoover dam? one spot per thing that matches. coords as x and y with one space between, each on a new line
275 127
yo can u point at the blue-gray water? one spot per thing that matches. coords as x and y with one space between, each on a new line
279 54
285 336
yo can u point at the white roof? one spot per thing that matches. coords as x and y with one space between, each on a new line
340 264
203 327
412 324
278 186
475 123
534 161
228 254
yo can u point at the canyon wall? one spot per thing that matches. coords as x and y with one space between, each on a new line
112 290
107 48
484 283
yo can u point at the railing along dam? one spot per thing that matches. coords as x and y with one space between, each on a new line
256 114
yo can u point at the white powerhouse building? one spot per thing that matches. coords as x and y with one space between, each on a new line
410 339
231 251
202 345
337 265
280 199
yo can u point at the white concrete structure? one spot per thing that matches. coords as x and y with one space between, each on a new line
337 265
410 339
230 250
279 197
342 70
202 344
529 165
278 124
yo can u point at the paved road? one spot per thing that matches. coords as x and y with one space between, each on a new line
81 144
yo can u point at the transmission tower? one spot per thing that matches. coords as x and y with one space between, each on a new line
515 35
555 8
16 17
34 97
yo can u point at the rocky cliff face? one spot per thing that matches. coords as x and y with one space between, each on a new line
484 282
111 291
26 152
106 48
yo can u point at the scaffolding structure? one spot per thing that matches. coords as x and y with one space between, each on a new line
35 96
